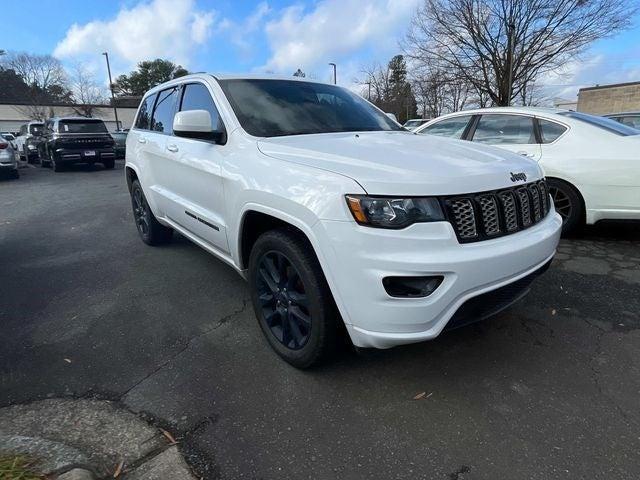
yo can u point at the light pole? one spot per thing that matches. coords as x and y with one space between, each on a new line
511 47
335 77
113 99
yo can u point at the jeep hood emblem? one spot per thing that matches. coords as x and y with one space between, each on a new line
520 176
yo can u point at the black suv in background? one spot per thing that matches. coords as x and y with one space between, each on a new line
69 140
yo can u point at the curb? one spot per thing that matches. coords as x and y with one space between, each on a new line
82 439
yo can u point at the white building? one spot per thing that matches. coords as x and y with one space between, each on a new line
13 115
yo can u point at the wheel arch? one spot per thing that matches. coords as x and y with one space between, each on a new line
576 190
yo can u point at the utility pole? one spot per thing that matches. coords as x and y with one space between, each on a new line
369 97
335 78
113 98
511 54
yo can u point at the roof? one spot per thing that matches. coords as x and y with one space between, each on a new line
529 110
613 85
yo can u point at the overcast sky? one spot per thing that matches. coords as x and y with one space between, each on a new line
257 36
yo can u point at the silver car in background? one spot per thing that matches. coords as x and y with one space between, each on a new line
8 159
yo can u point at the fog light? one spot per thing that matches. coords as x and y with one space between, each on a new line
411 287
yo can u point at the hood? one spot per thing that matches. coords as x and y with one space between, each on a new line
402 163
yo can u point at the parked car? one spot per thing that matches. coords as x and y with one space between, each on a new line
335 213
70 140
9 137
8 159
591 163
120 137
28 139
414 123
630 119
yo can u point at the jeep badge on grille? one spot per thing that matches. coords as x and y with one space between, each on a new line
521 176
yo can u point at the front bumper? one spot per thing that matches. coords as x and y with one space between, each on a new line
69 156
358 258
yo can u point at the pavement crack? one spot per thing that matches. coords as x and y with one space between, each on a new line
185 347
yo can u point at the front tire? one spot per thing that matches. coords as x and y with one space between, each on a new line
567 203
291 299
151 231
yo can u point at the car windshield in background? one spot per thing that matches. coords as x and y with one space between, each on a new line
272 108
602 122
82 126
36 128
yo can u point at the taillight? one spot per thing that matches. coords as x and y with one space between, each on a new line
3 146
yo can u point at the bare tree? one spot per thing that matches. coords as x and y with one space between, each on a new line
501 46
45 78
439 93
87 94
377 81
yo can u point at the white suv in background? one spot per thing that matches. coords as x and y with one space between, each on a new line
592 163
334 213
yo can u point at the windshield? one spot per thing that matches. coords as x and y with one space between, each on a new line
272 108
414 123
82 126
603 123
36 128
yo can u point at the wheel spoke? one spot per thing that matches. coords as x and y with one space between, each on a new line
300 317
272 269
299 298
268 279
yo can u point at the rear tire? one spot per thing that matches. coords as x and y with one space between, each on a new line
151 231
568 204
56 166
291 299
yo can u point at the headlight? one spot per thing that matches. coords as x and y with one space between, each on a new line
389 212
30 146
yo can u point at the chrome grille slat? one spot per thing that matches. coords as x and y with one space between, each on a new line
464 216
490 218
484 215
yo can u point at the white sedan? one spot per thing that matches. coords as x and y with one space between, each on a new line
592 164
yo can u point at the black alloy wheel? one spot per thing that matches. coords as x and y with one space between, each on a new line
561 202
141 212
283 299
567 203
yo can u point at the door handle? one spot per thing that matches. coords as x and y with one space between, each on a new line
142 140
172 148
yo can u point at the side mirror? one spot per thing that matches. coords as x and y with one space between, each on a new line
197 124
392 116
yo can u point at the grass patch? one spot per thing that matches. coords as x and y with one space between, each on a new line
18 467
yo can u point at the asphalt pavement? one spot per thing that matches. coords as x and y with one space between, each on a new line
548 389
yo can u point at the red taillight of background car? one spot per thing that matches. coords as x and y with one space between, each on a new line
3 146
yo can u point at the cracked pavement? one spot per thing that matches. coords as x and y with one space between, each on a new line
548 389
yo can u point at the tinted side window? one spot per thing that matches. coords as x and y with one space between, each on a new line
450 127
550 131
633 122
197 97
144 114
504 130
162 118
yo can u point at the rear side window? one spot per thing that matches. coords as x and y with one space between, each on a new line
633 122
163 112
143 121
197 97
449 127
550 131
505 130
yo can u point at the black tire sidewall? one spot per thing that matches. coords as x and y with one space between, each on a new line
320 303
146 237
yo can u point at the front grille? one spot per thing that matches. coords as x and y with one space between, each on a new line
484 215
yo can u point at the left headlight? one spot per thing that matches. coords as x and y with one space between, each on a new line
391 212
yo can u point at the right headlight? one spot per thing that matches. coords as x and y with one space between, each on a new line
393 212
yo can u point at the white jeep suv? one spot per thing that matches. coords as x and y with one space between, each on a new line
334 213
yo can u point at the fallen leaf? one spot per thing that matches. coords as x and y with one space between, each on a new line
170 437
118 471
553 312
68 360
420 395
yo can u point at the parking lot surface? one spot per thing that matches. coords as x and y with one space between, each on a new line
548 389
